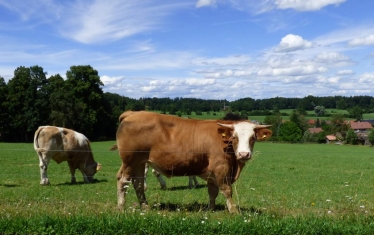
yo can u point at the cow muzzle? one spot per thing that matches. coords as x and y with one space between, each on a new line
244 156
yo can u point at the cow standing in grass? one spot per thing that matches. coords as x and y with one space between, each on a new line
214 150
62 144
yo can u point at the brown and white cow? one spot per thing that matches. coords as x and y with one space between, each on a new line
62 144
213 150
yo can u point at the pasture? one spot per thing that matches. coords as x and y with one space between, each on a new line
284 189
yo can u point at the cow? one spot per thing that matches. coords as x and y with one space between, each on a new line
192 181
62 144
216 151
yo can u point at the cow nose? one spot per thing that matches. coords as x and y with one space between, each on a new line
243 154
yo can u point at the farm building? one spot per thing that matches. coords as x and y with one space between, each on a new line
361 126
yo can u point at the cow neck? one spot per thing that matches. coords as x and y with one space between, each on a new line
229 150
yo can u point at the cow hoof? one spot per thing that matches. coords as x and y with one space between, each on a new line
44 182
234 210
144 207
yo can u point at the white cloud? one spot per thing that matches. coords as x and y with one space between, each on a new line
299 70
364 41
199 82
106 21
345 72
305 5
292 42
331 57
204 3
367 78
108 81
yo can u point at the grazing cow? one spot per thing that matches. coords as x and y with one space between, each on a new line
214 150
62 144
192 181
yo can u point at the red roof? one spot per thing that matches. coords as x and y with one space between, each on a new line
331 137
315 130
361 125
311 122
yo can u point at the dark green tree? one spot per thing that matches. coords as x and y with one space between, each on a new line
275 121
356 112
4 117
299 119
351 137
290 132
90 114
371 137
27 101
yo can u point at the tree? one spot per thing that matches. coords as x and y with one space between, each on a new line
4 117
356 113
90 115
371 137
351 137
290 132
319 110
338 124
27 102
299 119
275 121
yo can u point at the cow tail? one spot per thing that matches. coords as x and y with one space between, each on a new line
36 137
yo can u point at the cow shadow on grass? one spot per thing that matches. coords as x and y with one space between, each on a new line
190 207
197 207
175 188
9 185
95 181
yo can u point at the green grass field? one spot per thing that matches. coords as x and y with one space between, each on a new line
285 189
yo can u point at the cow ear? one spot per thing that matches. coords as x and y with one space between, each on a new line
263 134
225 133
98 167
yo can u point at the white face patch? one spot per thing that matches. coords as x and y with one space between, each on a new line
244 131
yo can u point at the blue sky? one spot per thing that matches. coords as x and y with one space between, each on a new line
209 49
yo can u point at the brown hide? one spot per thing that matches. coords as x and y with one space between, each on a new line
178 147
175 146
62 144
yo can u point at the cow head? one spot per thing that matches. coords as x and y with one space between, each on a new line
243 137
91 170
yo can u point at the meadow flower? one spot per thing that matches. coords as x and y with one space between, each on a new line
202 221
328 200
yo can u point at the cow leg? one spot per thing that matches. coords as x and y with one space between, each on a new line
159 178
227 192
192 182
123 182
213 193
138 183
43 165
72 172
145 176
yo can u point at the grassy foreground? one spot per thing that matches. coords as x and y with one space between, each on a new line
285 189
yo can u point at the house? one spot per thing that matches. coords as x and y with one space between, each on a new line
315 130
361 126
330 138
311 122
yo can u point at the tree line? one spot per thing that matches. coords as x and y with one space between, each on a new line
31 99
